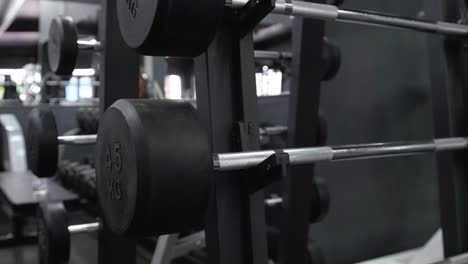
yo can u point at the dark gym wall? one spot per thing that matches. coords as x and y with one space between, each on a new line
382 93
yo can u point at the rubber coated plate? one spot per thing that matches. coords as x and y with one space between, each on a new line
153 166
62 46
42 144
177 28
53 235
320 201
331 57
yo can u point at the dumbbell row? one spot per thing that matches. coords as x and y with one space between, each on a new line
333 13
169 156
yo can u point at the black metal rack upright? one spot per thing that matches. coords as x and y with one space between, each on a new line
227 105
303 126
119 75
226 95
449 88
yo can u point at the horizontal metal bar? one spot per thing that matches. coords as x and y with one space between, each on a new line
243 160
272 55
333 13
91 139
83 228
392 21
273 130
273 201
91 44
77 139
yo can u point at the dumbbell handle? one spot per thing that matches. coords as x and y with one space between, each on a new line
83 228
243 160
88 44
273 131
77 139
333 13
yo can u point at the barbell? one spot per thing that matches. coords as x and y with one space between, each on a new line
42 141
54 232
64 44
164 27
155 167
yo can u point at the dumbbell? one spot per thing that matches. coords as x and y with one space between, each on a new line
54 233
160 160
153 29
64 44
42 142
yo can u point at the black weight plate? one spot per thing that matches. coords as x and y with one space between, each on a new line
331 56
41 142
320 200
177 28
62 46
53 235
153 167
